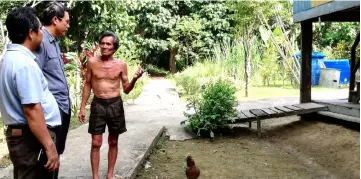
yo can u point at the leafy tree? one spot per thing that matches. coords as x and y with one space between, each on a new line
196 34
335 38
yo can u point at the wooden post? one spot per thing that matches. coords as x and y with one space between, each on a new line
259 130
172 66
306 53
250 125
353 68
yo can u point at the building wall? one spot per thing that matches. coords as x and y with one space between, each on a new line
311 9
299 6
318 3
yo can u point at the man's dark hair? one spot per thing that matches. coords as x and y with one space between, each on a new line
53 9
111 34
19 22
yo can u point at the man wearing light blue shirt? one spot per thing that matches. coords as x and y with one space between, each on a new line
28 109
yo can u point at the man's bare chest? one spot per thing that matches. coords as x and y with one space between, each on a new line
106 72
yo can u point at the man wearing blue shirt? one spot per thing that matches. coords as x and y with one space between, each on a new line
56 21
28 109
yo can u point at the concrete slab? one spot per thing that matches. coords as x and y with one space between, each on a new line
342 107
340 116
340 102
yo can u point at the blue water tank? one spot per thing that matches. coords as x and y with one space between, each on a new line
317 60
343 65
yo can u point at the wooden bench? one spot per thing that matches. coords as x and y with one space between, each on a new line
277 111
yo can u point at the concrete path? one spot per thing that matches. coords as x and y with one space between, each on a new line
156 109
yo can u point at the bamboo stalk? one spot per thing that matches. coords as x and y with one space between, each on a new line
2 32
35 3
288 44
263 20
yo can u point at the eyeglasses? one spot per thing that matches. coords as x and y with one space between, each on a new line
67 21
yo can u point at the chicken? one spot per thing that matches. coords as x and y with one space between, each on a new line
192 170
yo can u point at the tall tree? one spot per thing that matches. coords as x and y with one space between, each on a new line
246 16
182 31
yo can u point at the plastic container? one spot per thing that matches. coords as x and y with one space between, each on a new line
343 65
317 61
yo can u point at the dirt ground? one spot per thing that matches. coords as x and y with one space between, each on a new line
290 148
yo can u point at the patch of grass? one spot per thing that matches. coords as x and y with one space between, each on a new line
274 91
161 142
5 161
74 121
266 92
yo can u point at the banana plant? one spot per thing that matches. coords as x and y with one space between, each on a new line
72 72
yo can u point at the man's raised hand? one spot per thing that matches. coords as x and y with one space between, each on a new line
139 72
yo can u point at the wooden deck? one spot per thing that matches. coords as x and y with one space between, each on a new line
277 111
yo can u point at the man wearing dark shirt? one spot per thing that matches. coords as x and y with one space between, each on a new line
55 19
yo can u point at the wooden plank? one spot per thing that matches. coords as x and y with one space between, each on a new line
258 112
284 109
271 114
309 105
311 108
268 111
239 118
293 108
295 105
241 115
248 114
306 52
279 113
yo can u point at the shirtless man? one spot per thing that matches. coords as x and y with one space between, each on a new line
104 74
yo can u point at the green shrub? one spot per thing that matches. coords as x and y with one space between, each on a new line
189 85
214 109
